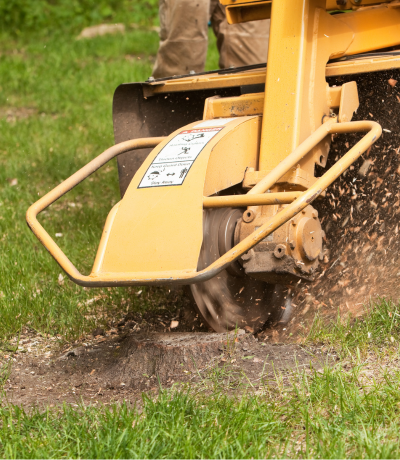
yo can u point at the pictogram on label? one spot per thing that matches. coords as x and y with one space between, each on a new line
172 164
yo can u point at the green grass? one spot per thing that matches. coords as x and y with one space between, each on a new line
349 410
377 329
68 86
336 414
41 16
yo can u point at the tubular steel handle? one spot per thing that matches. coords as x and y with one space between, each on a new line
65 187
189 277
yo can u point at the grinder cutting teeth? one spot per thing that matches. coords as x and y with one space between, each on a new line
232 298
221 193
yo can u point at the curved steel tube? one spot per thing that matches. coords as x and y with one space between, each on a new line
182 277
65 187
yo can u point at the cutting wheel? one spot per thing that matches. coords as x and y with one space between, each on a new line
233 299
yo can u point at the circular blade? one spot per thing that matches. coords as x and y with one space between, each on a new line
233 299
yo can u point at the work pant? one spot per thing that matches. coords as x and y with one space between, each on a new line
184 38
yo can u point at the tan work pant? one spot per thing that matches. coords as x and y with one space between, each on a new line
184 38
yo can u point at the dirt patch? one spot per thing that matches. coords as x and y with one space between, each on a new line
13 114
122 366
111 29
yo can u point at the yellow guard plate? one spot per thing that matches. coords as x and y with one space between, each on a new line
158 224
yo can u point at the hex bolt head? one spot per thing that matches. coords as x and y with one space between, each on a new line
150 79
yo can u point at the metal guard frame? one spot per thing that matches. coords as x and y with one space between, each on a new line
256 196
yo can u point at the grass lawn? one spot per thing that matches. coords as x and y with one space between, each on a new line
55 115
348 410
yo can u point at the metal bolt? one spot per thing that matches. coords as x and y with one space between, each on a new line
192 72
279 251
248 215
150 79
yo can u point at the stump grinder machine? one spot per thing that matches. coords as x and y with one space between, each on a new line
225 178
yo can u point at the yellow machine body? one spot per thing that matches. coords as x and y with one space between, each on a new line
159 229
267 142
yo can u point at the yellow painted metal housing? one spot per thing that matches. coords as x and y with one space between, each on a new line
154 235
160 228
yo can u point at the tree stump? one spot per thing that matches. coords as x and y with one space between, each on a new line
167 356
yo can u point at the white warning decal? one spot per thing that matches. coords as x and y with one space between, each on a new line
172 164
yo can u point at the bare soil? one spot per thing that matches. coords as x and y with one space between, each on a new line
12 114
120 366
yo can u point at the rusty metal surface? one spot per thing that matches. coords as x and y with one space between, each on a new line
291 253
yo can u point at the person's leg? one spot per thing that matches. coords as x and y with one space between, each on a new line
183 37
239 44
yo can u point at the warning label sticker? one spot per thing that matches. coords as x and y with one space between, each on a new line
173 162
